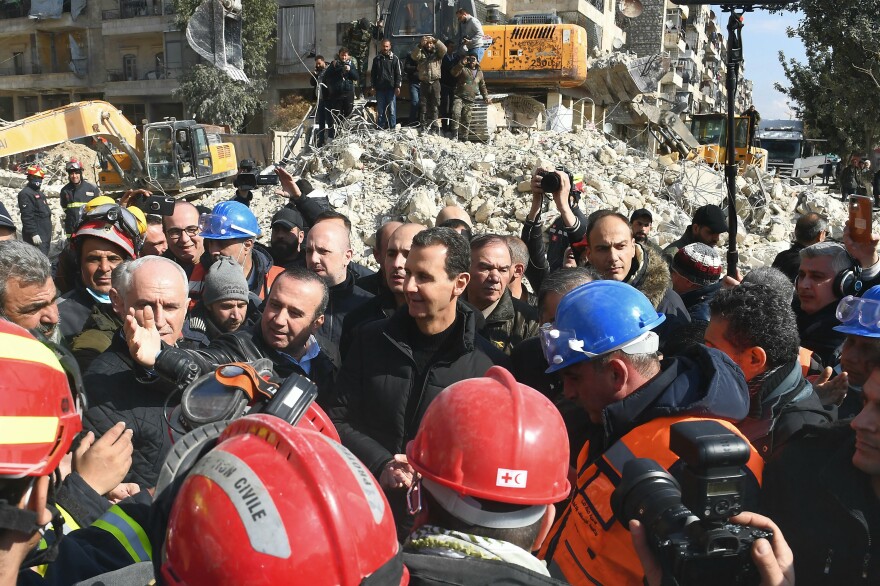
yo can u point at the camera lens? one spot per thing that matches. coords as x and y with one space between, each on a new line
154 206
112 215
550 182
649 494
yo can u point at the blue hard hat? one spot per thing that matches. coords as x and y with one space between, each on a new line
860 316
597 318
229 220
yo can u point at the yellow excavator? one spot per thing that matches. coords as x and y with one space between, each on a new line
169 156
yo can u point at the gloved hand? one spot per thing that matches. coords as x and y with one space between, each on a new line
36 240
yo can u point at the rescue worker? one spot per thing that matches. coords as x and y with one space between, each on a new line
603 344
34 437
860 353
75 194
358 37
36 217
231 229
469 83
492 456
428 54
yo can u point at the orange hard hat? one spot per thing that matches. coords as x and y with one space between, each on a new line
38 415
495 439
275 504
35 171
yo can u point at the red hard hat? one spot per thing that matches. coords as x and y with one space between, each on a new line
496 439
105 231
316 419
73 165
38 416
35 171
274 504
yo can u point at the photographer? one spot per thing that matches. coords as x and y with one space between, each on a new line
340 78
469 83
604 345
243 193
571 223
429 56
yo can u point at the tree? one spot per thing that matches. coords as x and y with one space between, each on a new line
835 90
208 92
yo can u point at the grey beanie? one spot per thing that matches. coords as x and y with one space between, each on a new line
225 280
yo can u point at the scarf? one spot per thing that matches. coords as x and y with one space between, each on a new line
434 540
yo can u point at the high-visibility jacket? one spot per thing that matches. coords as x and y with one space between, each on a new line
128 532
588 545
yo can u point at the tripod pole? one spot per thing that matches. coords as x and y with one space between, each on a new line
734 60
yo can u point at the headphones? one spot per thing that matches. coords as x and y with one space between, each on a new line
846 282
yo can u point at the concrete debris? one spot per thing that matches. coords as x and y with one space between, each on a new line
373 176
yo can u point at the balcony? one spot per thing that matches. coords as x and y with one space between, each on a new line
157 82
137 16
672 77
32 79
673 40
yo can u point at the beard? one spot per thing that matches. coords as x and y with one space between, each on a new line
640 238
282 251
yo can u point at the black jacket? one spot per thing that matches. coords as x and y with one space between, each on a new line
817 332
782 405
76 194
310 207
386 73
411 70
36 216
435 570
697 301
243 345
379 307
789 261
511 322
74 308
825 508
120 390
343 298
339 81
376 383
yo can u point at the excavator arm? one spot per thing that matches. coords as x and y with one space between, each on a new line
95 119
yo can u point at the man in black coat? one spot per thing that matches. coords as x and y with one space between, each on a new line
397 366
823 490
808 230
387 77
340 78
120 389
36 217
328 254
286 335
756 328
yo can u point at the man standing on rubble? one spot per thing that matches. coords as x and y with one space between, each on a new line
429 56
357 39
36 217
387 77
75 194
469 83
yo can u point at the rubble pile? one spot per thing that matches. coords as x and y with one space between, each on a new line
373 175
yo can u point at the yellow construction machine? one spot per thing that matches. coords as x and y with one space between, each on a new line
170 156
710 130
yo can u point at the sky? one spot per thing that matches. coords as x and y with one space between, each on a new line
763 37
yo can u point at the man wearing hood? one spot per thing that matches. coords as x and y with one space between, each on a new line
604 345
614 253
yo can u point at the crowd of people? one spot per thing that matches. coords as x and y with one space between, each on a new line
478 400
443 78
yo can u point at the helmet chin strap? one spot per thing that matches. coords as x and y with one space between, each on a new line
39 557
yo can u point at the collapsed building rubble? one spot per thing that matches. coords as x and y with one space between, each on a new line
373 175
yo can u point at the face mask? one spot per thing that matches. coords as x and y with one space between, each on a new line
35 183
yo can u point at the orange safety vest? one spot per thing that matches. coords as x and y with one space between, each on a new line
587 544
805 357
197 283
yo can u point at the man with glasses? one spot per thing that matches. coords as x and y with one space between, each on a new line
75 195
182 232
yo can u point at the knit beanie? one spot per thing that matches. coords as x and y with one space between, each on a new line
698 263
225 280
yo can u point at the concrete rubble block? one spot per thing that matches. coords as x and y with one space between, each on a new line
400 150
606 155
485 211
468 187
422 208
350 157
475 204
486 163
524 186
426 166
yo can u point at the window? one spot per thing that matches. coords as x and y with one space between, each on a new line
296 32
416 18
129 67
18 63
173 58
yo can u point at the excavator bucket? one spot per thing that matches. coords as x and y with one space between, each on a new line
214 32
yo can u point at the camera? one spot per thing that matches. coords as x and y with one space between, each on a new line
252 180
550 183
687 523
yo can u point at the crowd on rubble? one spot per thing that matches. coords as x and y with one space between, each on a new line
185 404
443 78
